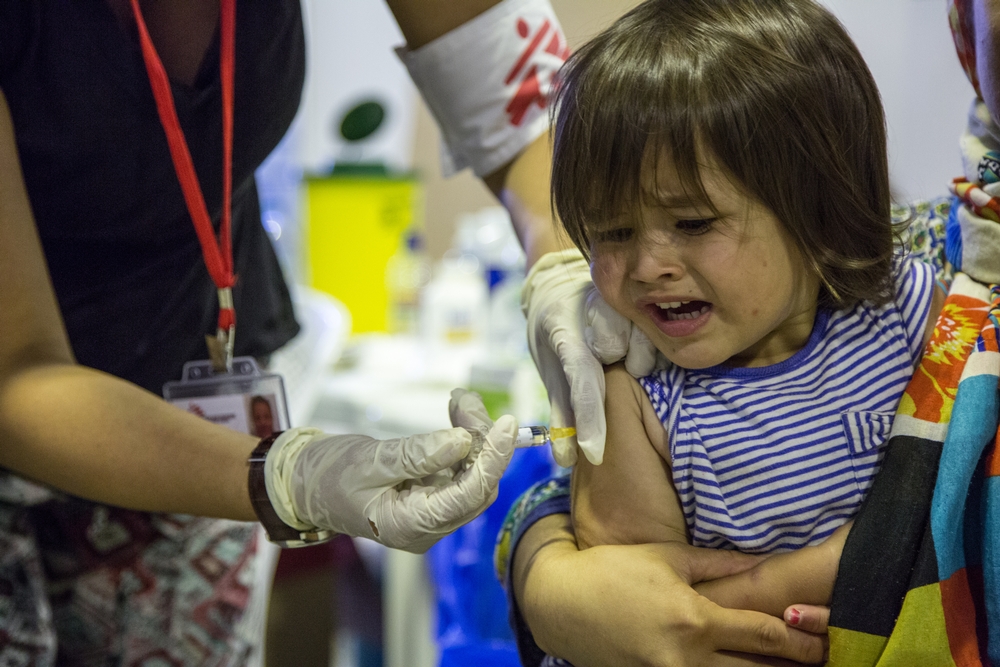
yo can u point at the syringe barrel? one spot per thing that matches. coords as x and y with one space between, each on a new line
531 436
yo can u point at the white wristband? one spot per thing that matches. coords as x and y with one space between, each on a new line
488 82
279 470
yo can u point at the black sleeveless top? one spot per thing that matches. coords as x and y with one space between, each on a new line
121 249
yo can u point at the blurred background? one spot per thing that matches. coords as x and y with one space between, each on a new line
434 305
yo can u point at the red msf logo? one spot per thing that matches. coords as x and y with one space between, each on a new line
530 90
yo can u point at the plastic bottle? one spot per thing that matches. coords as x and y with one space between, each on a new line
406 274
489 236
455 304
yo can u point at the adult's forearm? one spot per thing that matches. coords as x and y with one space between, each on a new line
96 436
549 538
423 21
523 188
633 604
82 431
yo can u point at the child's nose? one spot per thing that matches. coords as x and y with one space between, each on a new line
655 261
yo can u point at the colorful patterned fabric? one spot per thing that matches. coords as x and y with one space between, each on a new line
87 585
932 594
925 225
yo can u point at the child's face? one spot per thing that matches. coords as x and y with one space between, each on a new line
707 288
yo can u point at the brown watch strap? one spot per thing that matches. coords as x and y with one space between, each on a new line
277 530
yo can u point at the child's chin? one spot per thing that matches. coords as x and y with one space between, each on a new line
693 359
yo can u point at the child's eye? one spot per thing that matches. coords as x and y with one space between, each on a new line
617 235
694 227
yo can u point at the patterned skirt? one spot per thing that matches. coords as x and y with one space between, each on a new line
88 585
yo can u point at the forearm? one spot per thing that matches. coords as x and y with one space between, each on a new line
82 431
96 436
547 539
804 576
523 188
423 21
615 605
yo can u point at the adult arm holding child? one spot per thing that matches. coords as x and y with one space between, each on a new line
634 605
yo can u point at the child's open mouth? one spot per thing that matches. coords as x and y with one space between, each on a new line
683 310
679 318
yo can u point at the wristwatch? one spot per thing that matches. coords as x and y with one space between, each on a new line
278 531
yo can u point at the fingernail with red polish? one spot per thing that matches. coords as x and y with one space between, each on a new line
792 616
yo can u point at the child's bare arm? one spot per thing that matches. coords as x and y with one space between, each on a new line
805 576
630 497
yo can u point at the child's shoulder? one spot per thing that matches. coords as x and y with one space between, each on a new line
627 402
621 389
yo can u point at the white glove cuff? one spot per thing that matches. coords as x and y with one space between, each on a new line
279 468
488 82
571 259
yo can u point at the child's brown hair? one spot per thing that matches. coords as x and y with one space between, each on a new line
774 90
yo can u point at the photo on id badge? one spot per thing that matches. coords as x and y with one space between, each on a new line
246 399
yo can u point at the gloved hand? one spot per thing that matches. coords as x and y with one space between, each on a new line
571 333
466 410
406 493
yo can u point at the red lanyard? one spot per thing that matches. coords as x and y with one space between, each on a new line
218 254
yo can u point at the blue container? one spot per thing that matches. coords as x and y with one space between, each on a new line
472 609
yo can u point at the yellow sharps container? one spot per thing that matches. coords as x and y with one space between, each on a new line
354 224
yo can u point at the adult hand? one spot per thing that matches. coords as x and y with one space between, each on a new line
634 605
571 333
406 493
466 410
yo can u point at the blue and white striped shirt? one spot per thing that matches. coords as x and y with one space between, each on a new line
776 458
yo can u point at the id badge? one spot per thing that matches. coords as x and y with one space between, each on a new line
245 399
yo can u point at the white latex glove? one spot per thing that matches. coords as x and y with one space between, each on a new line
571 333
402 493
466 410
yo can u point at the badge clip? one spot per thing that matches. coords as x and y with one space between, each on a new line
220 347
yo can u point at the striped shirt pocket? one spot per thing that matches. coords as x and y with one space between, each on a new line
866 430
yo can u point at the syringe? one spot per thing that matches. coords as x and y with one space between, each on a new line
527 436
534 436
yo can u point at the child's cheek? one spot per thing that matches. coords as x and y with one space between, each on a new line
607 273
